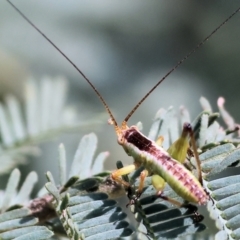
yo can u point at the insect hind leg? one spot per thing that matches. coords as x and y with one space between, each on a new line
159 184
197 217
180 148
189 129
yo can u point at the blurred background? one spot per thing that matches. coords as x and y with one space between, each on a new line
124 47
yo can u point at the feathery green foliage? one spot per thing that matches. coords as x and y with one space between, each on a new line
43 116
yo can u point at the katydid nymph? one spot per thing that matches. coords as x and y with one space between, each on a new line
165 166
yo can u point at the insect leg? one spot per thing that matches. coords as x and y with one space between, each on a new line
135 195
180 148
158 183
194 148
132 194
191 208
116 175
159 141
143 176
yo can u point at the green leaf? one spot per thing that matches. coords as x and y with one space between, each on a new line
184 116
203 129
35 232
49 177
98 166
27 187
62 165
84 156
6 131
205 104
42 117
53 190
14 109
11 189
18 213
18 223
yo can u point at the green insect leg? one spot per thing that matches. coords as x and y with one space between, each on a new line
116 175
143 176
158 183
180 148
194 147
159 141
179 151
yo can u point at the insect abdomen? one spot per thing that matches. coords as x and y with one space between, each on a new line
157 161
183 182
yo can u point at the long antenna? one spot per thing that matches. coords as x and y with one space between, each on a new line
70 61
94 88
178 64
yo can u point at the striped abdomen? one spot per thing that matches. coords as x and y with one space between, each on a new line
156 160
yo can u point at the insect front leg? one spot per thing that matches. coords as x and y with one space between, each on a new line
133 194
117 174
143 176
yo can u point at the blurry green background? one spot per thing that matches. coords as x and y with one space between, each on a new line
124 47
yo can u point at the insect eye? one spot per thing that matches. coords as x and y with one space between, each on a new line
120 140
